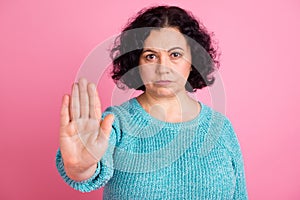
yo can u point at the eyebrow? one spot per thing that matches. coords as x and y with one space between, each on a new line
151 50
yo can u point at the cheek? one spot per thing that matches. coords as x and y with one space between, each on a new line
185 70
145 73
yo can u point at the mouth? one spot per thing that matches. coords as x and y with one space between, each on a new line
163 82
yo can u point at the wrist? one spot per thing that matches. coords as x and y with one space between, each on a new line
78 174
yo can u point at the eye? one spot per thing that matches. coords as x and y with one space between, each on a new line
150 57
176 55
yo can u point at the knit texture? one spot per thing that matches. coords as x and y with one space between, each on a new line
151 159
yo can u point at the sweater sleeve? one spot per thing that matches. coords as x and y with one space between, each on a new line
240 192
102 174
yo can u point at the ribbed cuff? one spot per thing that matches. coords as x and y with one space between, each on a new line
88 185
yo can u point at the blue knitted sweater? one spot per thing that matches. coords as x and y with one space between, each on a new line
151 159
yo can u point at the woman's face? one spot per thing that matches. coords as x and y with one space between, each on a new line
165 62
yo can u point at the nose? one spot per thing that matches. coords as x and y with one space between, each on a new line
163 65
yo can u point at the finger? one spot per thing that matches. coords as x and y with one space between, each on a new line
105 128
92 97
84 98
98 112
64 113
75 107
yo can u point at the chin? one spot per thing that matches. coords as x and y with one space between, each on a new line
163 92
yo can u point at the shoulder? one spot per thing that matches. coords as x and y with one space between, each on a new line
219 126
124 110
214 118
126 114
117 109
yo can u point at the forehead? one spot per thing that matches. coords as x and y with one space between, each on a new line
165 39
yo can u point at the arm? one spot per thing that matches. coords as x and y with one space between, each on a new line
84 158
240 192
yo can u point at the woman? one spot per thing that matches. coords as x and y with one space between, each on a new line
162 144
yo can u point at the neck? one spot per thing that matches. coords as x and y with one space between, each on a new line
177 108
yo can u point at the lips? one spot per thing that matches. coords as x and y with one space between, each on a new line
163 82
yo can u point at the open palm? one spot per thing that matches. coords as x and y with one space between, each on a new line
83 136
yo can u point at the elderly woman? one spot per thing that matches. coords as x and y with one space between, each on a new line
162 144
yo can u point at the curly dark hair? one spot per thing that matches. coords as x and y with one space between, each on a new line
128 47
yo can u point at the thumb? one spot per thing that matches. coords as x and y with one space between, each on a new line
105 127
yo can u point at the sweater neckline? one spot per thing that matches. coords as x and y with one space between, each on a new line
146 115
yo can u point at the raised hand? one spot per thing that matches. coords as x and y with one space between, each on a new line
83 136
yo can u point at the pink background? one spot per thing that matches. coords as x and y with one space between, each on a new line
43 44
